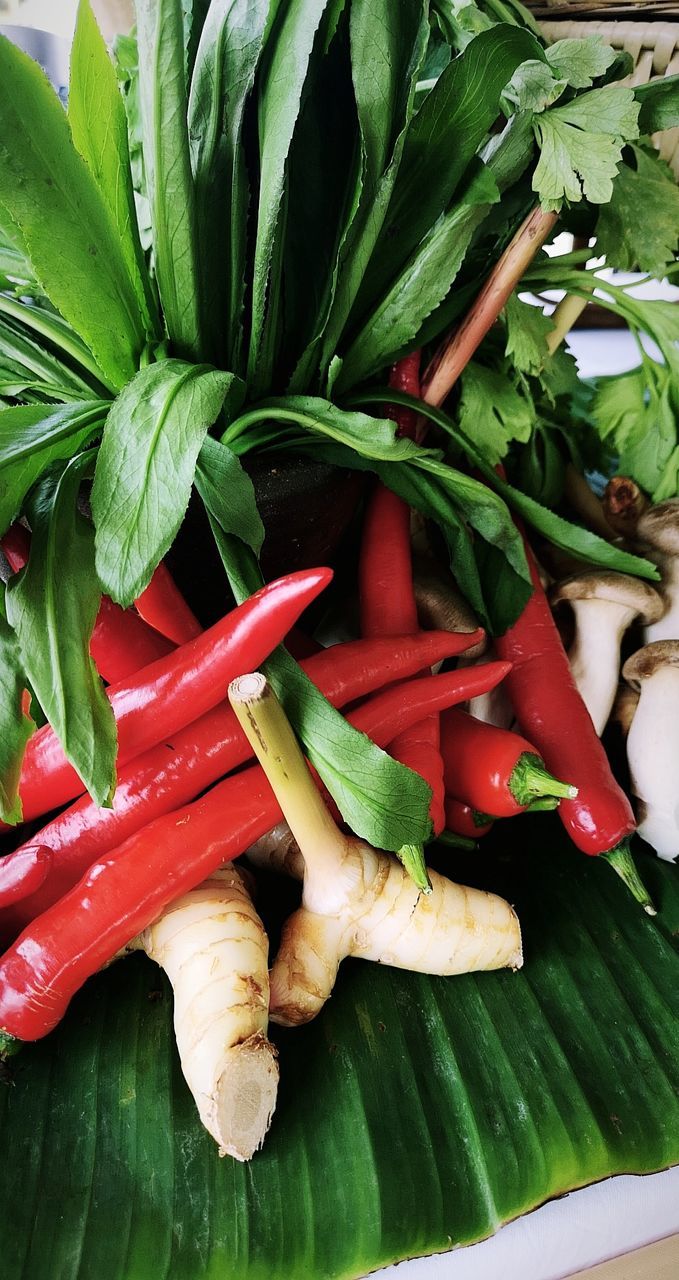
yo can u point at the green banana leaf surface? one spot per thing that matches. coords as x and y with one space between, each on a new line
415 1114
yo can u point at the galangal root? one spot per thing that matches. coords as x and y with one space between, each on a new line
212 945
357 901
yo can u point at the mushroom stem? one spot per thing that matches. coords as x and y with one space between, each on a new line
653 756
595 654
667 627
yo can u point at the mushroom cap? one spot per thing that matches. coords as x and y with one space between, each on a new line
645 662
615 588
659 526
439 603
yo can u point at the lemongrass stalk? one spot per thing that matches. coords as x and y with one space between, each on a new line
271 737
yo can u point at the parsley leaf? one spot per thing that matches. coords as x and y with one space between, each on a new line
580 62
639 228
581 146
493 411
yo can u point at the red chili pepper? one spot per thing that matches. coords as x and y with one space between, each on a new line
121 642
493 770
169 775
552 714
386 593
23 872
176 689
128 889
464 820
163 606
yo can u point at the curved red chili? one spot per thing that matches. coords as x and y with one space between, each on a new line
22 873
125 891
171 774
176 689
551 712
163 606
492 769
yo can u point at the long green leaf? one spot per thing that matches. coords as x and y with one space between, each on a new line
32 438
15 727
388 44
371 437
228 53
415 1114
420 287
571 537
99 127
65 226
451 125
283 77
56 379
145 468
167 168
228 493
52 606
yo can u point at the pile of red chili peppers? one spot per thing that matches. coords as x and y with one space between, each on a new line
92 879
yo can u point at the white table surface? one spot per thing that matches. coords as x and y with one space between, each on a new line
615 1216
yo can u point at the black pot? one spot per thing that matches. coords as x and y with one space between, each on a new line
307 508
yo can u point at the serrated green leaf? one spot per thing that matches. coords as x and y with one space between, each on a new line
420 287
163 100
638 230
65 226
493 412
636 413
580 61
451 125
15 727
228 493
52 606
146 465
581 146
35 362
415 1114
32 438
98 123
228 54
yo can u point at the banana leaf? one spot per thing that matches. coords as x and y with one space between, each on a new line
415 1114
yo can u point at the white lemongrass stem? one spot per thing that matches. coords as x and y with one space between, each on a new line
379 915
667 628
270 734
653 756
457 350
564 316
594 655
213 947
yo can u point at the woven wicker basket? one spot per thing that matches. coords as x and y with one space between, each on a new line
654 47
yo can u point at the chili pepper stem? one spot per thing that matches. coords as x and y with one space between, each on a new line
266 725
530 780
453 841
620 858
9 1045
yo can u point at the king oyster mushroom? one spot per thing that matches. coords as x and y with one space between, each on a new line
653 743
659 529
604 605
